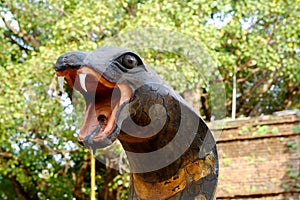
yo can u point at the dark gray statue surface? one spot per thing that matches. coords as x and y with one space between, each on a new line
171 152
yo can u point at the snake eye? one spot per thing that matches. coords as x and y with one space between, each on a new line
129 61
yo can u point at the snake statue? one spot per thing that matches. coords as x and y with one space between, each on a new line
171 152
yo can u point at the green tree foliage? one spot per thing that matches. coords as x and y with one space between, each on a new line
39 157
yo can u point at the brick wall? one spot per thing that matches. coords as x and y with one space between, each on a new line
259 158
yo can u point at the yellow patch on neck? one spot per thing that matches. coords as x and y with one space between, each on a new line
167 188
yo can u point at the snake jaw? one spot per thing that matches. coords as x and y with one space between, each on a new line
103 98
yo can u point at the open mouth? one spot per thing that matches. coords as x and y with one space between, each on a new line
103 101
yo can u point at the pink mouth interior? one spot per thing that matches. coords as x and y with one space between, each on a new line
103 100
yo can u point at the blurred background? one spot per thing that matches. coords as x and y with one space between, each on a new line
254 45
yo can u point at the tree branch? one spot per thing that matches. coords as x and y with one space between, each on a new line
25 37
266 86
104 193
19 191
6 155
291 93
272 31
205 104
78 194
52 151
